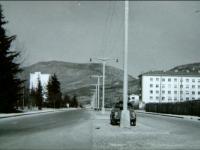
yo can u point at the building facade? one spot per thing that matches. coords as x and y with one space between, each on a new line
44 78
170 87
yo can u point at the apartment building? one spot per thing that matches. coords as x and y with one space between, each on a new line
33 83
170 87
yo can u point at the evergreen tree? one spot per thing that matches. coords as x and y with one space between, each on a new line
39 95
32 97
10 84
74 102
54 95
67 100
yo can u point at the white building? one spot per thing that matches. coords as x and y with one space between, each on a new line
133 98
170 87
44 78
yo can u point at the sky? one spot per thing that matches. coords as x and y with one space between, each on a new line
162 34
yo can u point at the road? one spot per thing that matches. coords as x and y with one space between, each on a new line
52 131
152 132
78 130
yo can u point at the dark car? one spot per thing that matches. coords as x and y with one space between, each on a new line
116 114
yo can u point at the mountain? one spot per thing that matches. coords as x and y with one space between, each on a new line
192 68
76 78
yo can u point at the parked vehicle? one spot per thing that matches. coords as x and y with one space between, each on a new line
115 114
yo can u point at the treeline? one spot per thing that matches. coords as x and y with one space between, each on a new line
53 97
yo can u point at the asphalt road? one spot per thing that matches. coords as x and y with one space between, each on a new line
53 131
162 132
152 132
77 130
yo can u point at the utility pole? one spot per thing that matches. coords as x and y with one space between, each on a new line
103 60
98 88
125 115
96 95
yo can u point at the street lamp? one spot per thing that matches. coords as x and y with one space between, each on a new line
103 60
96 95
125 115
98 90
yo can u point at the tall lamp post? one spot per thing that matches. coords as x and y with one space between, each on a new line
98 88
103 60
96 95
125 115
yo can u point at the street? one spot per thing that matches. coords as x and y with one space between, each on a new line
52 131
85 130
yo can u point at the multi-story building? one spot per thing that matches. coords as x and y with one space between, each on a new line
170 86
44 78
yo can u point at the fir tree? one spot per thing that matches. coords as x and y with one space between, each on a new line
10 84
39 95
54 95
74 102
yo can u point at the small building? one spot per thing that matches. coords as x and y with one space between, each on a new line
134 98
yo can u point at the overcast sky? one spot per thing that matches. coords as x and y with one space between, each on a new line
161 34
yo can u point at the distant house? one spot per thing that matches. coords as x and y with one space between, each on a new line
171 86
44 78
134 98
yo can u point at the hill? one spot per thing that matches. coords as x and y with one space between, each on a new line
76 78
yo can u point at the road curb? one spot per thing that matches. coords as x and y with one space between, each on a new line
169 115
26 114
161 114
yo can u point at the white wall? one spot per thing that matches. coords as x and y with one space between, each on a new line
170 88
44 78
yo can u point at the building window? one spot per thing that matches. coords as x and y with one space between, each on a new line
199 80
193 86
181 92
157 98
163 98
163 79
151 85
163 86
193 80
169 98
193 98
163 92
151 91
175 98
181 86
157 92
169 79
175 79
151 97
169 92
193 92
187 86
187 80
198 86
198 92
157 79
187 92
157 85
187 98
175 86
151 79
175 92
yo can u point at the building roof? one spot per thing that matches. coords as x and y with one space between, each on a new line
172 73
